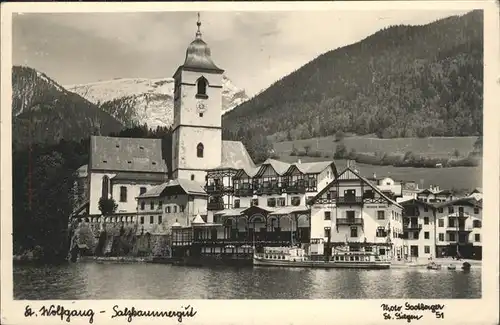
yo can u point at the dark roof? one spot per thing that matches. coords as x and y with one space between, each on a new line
175 186
134 176
312 167
126 154
471 201
417 202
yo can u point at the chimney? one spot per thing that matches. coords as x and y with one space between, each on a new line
299 161
374 176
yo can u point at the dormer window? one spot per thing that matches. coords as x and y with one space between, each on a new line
201 85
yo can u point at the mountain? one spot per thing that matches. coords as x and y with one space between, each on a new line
140 101
45 112
403 81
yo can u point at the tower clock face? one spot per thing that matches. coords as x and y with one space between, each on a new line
200 106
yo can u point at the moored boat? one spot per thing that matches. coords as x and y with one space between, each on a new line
298 257
433 266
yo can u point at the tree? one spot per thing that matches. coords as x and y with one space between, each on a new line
107 206
339 136
340 151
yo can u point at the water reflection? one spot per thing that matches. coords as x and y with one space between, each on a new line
153 281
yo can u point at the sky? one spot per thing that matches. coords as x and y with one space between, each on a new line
254 48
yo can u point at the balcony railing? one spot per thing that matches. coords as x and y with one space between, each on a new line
459 229
211 206
349 200
268 190
349 221
243 192
275 237
412 227
299 189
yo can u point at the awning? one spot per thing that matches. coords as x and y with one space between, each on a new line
230 212
289 210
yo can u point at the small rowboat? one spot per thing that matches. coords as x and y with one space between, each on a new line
433 266
452 267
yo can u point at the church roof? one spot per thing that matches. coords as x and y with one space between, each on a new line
126 154
235 156
198 54
134 176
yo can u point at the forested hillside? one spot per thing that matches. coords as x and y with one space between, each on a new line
403 81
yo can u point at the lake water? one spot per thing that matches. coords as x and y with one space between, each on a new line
90 280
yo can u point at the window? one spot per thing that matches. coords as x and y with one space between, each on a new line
327 232
152 205
142 190
426 220
354 231
202 87
143 205
440 210
441 237
296 201
476 210
167 209
271 202
236 203
160 205
151 219
349 214
199 150
182 208
440 223
142 220
380 215
159 220
477 237
476 224
427 249
281 201
426 208
451 237
381 232
192 177
105 187
200 114
450 210
255 202
175 208
327 215
123 194
426 235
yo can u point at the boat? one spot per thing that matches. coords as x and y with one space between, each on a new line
466 266
298 257
452 267
433 266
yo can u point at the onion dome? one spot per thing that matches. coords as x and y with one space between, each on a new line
198 54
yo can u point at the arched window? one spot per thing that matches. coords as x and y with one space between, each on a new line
192 177
199 150
105 186
202 84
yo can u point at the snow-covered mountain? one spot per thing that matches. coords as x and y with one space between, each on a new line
138 101
44 112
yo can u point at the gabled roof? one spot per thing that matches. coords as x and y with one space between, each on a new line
126 154
477 190
312 167
175 186
279 167
416 202
366 181
426 191
198 220
470 201
234 155
444 192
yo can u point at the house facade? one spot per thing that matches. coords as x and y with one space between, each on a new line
419 229
459 224
354 214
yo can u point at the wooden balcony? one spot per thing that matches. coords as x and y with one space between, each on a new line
242 192
295 189
213 206
349 221
268 190
412 227
218 189
459 229
350 200
247 238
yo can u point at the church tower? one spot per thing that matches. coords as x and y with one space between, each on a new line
197 127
